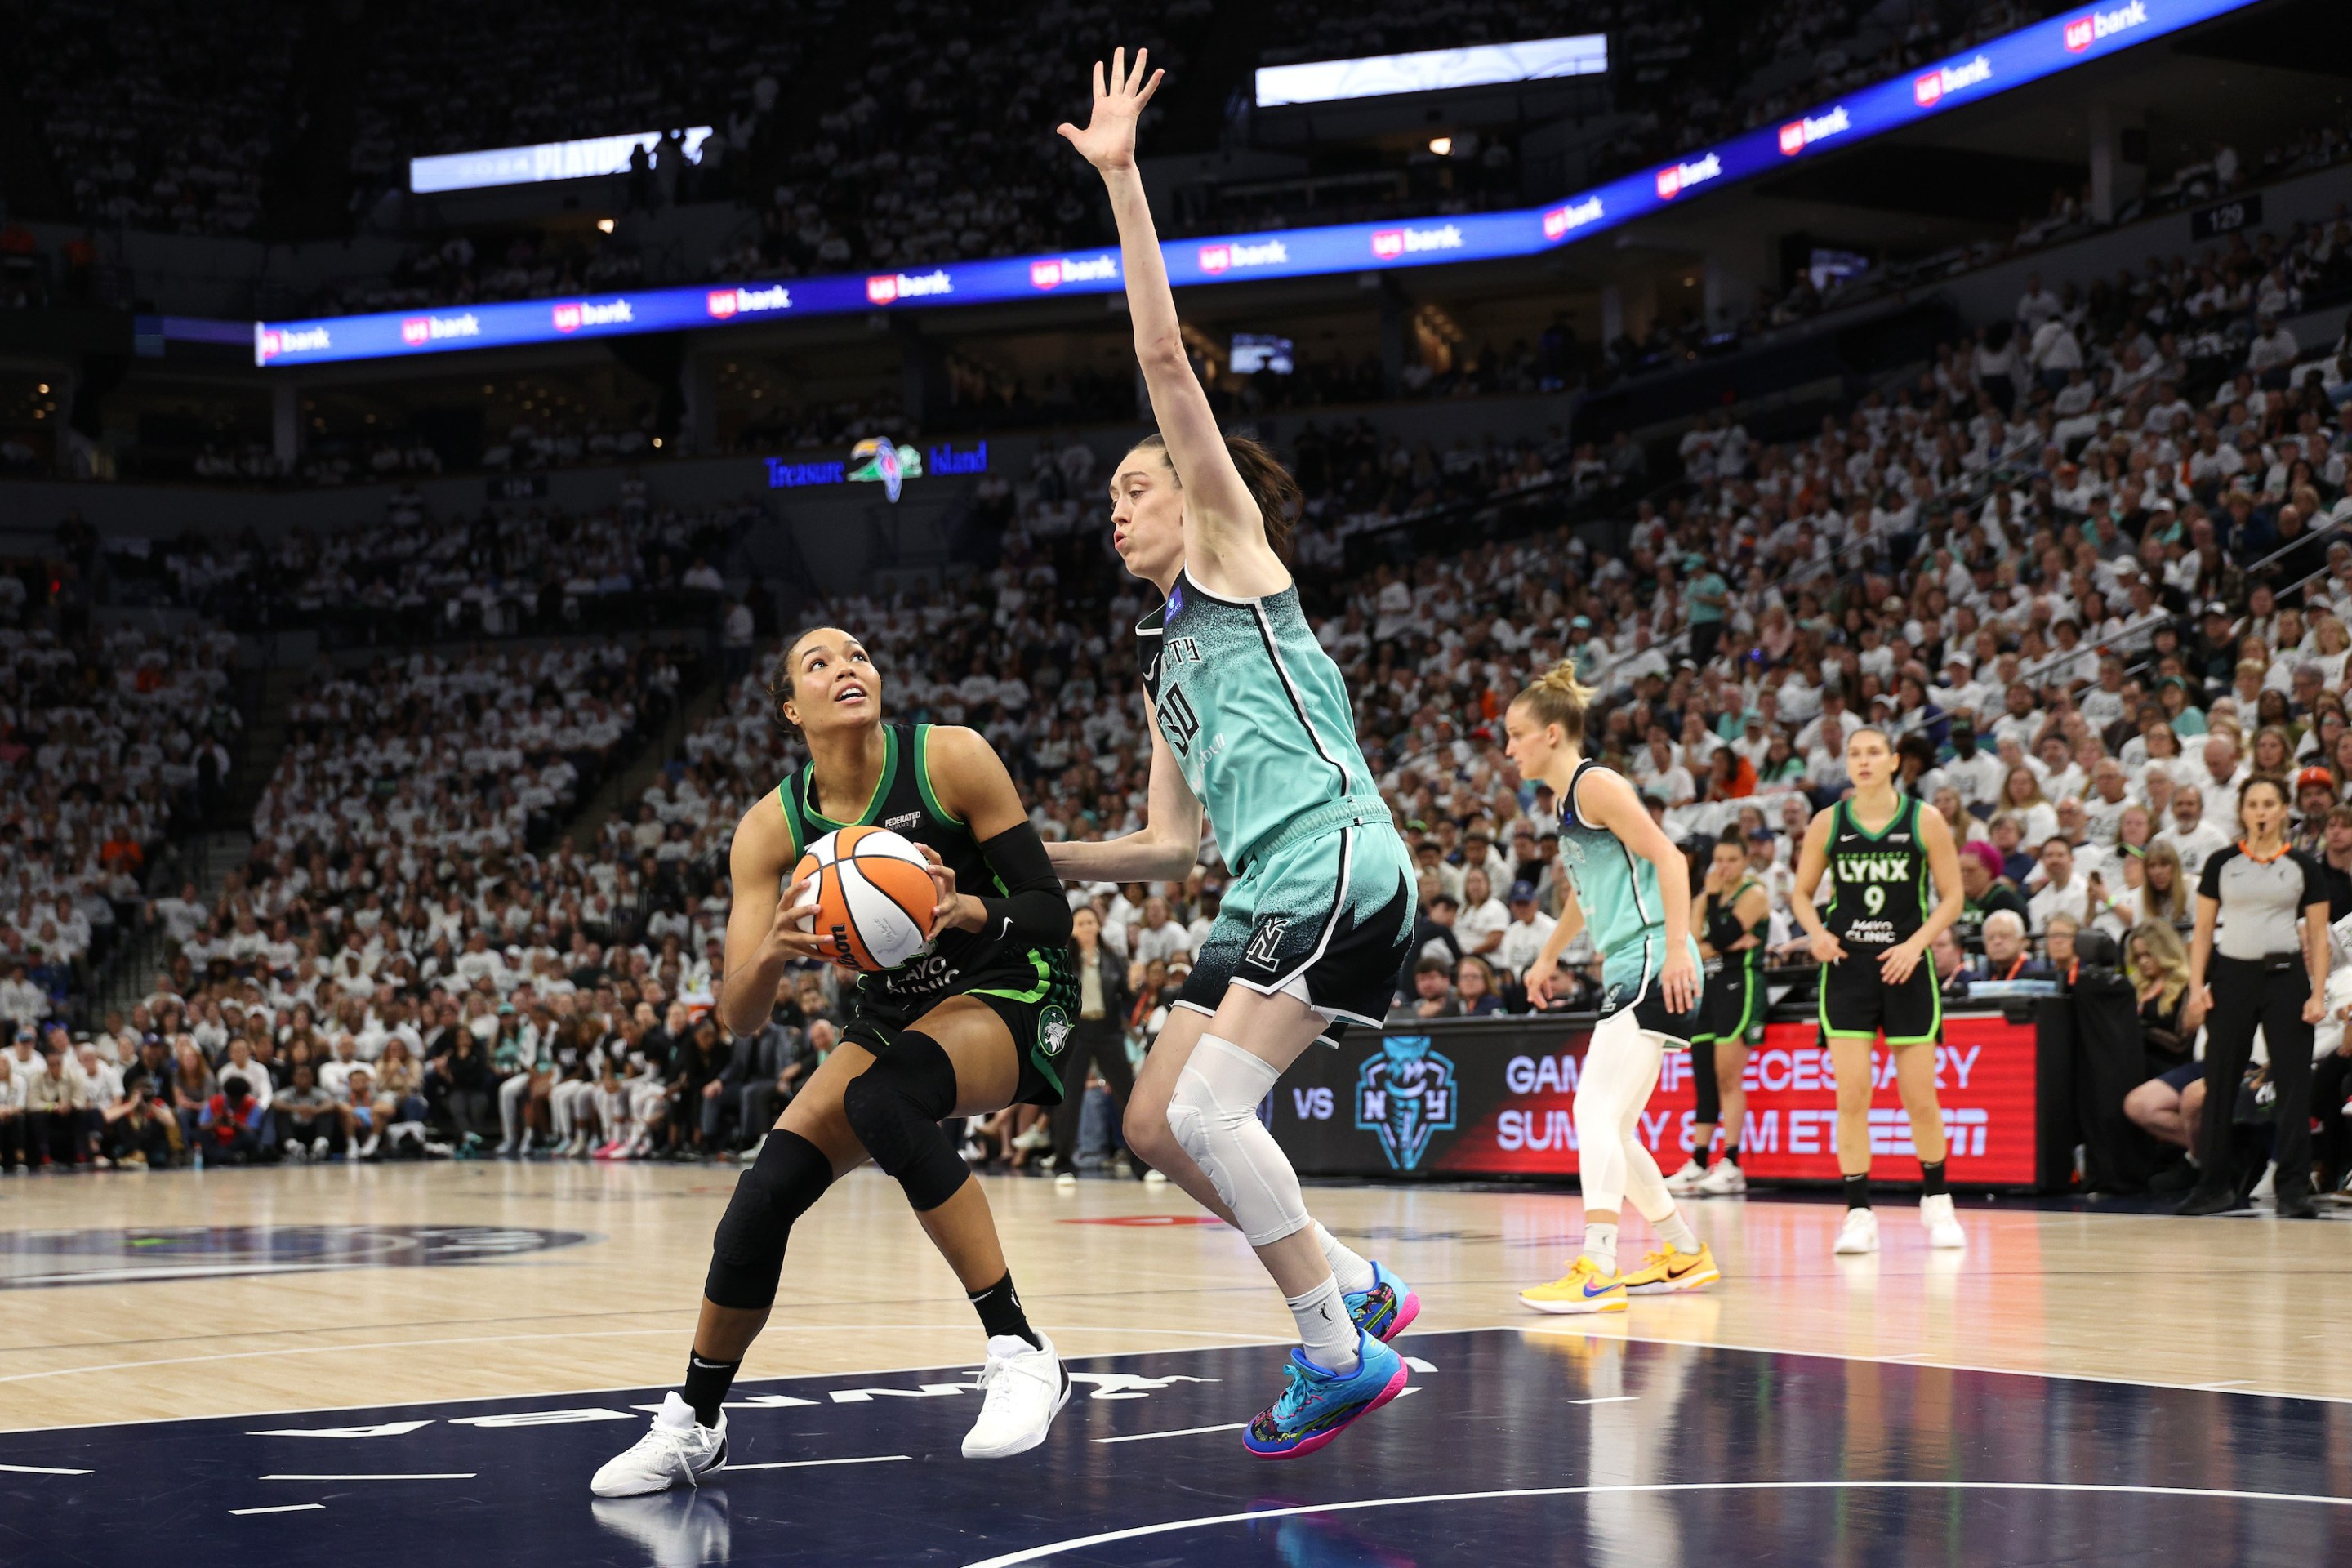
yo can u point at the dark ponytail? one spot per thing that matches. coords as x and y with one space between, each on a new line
1279 499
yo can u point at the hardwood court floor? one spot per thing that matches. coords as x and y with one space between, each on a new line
251 1292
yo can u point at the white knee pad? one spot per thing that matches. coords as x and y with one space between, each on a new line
1213 1115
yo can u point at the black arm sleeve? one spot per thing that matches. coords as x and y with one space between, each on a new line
1032 902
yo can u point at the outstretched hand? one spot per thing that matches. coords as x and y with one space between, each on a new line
1109 140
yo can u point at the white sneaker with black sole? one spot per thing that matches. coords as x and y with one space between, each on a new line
1026 1389
1724 1180
1859 1232
1685 1182
676 1448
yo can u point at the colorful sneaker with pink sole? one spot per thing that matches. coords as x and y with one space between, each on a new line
1320 1404
1385 1310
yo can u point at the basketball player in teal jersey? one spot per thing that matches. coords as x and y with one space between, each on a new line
1251 720
1632 889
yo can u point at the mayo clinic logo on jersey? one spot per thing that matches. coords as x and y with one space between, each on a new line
1799 134
1056 271
726 304
1676 178
888 287
418 331
1227 256
2082 32
1571 217
1264 951
1928 90
573 316
268 343
1406 1096
1388 244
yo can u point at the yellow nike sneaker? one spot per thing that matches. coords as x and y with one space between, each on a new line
1666 1271
1583 1289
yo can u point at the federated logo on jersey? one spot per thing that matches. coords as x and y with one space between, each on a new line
1265 943
1406 1096
1053 1031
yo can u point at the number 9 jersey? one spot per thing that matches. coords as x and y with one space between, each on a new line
1880 893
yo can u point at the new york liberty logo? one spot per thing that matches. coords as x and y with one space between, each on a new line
1405 1095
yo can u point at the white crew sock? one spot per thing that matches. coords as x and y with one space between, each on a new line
1324 1327
1675 1232
1600 1245
1351 1270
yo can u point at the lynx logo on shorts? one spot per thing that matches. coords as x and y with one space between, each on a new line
1265 943
1406 1096
1053 1031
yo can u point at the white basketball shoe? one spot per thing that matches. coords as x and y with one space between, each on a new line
676 1448
1026 1389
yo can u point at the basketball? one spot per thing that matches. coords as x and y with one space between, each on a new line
874 895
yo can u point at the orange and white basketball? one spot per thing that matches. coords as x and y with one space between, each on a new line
874 895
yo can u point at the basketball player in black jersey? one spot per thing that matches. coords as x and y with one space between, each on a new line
1880 848
972 1024
1733 914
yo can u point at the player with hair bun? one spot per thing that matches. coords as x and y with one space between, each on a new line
974 1022
1631 887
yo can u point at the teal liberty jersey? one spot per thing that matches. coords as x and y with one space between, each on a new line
1255 712
1616 889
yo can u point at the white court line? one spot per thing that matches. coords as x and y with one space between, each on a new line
407 1476
810 1464
1560 1326
1180 1432
1039 1554
588 1334
1609 1399
1253 1342
41 1470
281 1508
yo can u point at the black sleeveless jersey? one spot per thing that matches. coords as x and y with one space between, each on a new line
1879 883
1723 927
904 804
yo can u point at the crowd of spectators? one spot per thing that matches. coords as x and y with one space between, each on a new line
110 741
153 118
519 568
2087 599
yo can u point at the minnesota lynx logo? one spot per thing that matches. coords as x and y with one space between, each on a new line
1405 1094
1053 1031
1265 943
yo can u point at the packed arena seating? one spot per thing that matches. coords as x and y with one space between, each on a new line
2072 591
530 570
111 741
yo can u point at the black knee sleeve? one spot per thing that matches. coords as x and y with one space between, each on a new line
747 1255
1709 1109
895 1105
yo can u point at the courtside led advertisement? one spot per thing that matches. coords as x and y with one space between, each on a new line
1499 1099
1998 64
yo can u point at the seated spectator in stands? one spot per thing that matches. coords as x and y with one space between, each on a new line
1986 891
232 1124
2007 955
309 1120
2058 948
192 1088
1523 938
1952 972
2065 891
1432 991
1473 987
1484 918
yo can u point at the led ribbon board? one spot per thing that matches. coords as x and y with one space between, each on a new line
2009 61
578 160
